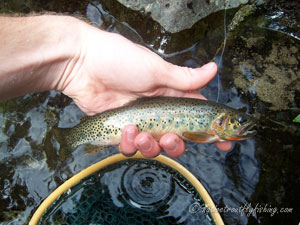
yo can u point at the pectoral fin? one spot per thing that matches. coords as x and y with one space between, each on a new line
92 149
200 137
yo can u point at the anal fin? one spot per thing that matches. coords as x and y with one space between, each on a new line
92 149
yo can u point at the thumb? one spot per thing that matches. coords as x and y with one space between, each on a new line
186 79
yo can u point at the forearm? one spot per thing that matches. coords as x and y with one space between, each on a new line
36 53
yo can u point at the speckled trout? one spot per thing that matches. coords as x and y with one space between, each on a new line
192 119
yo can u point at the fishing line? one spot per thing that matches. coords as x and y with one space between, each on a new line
220 60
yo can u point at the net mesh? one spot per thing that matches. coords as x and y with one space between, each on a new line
94 201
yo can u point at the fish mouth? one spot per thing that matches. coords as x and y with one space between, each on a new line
248 130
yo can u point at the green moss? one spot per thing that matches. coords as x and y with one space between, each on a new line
297 119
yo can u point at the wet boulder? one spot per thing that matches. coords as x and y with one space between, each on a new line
177 15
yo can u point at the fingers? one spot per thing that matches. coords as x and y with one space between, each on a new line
132 140
186 79
127 146
149 147
172 145
224 146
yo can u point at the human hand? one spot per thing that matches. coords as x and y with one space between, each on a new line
99 70
111 71
149 147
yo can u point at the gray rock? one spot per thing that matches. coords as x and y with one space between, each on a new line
177 15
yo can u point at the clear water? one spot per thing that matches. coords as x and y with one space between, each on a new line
257 177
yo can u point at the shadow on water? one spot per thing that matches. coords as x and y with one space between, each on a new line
256 182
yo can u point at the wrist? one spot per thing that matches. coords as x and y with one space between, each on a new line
37 53
68 57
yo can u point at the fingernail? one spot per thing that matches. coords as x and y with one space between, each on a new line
128 154
145 144
130 134
172 145
209 66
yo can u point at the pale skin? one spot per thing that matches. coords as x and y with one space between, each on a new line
97 69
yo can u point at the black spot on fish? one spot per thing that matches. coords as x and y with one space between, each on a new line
191 126
150 125
220 121
200 123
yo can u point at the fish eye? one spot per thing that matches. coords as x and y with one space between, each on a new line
231 120
241 119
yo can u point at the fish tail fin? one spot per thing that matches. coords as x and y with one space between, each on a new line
92 149
60 135
68 142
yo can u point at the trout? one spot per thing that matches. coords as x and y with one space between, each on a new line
191 119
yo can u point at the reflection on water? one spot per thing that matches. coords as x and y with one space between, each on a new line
145 186
230 178
262 171
283 21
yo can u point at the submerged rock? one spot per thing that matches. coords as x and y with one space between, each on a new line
273 76
177 15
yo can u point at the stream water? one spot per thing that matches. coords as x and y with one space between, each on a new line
257 182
